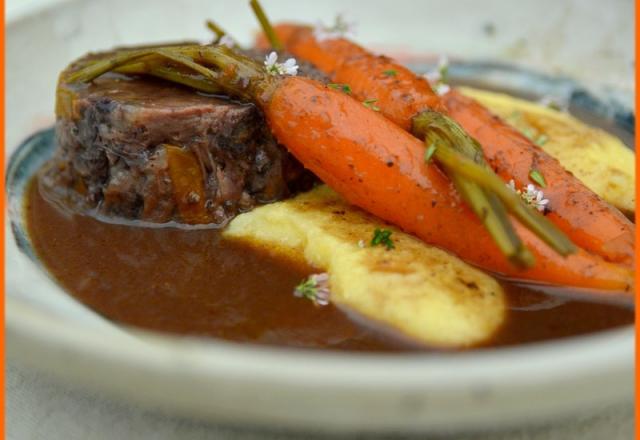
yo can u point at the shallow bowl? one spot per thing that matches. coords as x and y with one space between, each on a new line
244 384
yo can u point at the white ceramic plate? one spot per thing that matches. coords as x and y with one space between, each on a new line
253 385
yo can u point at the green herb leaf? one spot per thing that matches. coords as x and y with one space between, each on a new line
390 72
428 154
340 87
382 237
538 178
370 103
541 140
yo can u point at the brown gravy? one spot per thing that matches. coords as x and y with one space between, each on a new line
193 282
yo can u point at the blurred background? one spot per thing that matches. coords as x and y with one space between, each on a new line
590 40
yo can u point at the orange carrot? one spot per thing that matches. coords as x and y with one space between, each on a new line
381 168
594 224
401 95
319 125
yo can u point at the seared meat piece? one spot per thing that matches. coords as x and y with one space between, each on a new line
141 148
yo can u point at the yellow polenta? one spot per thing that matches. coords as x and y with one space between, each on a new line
421 291
598 159
416 289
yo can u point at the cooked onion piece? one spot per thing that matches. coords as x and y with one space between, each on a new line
419 290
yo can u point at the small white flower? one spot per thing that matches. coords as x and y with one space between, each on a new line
322 288
442 89
340 29
439 73
362 244
532 195
541 203
315 288
226 40
271 59
438 77
535 197
290 67
273 67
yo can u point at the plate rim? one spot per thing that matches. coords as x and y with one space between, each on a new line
603 355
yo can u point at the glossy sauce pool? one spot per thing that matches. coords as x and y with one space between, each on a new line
193 282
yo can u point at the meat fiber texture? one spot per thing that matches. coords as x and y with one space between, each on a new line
113 136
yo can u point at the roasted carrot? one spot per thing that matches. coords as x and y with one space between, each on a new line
402 95
381 168
594 224
319 125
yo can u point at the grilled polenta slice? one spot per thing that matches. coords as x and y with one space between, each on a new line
601 161
418 290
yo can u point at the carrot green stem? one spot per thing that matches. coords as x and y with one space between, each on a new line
275 42
232 73
533 220
495 219
176 56
238 75
119 59
463 156
219 33
217 30
157 69
107 64
483 203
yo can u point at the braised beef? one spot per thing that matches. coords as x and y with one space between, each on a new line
111 159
